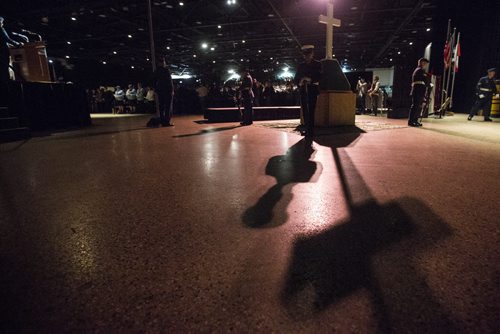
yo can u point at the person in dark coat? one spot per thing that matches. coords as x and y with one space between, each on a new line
485 90
419 86
307 79
5 40
164 88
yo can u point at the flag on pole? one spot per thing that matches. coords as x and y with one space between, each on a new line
447 52
457 53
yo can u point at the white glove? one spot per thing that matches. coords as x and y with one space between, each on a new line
481 96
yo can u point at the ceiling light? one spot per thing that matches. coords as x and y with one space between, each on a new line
168 47
213 62
243 41
428 29
354 8
390 59
260 51
411 43
104 62
399 52
73 18
67 57
129 36
132 67
181 3
212 48
68 42
114 52
194 56
204 45
51 61
220 27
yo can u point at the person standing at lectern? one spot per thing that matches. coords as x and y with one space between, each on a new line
307 79
485 90
164 88
419 85
5 40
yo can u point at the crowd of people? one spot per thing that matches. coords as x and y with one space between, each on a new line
370 97
116 100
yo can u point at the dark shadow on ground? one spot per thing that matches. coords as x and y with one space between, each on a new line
375 251
207 131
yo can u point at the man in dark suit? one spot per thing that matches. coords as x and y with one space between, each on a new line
164 88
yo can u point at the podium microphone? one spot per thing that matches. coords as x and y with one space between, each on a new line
32 33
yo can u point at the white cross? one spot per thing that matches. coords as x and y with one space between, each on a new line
330 22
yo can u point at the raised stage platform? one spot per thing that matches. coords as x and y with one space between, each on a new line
44 106
259 113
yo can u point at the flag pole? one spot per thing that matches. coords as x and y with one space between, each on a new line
454 71
449 71
443 98
151 36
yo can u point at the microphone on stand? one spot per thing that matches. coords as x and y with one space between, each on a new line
32 33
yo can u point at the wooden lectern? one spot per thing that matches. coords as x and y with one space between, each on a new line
31 62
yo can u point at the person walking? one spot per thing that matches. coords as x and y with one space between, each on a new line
485 90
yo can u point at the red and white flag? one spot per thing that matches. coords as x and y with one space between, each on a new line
457 53
447 52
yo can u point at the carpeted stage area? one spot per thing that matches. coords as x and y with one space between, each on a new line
221 228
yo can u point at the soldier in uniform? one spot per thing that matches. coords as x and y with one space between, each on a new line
374 94
419 85
307 79
246 95
485 90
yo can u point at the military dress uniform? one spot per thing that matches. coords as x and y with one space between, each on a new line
164 89
309 91
485 90
419 85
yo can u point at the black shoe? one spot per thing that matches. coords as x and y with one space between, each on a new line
167 124
418 124
470 117
414 125
488 120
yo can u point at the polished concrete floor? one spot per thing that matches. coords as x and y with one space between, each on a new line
220 228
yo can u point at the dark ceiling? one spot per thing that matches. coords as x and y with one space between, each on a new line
250 33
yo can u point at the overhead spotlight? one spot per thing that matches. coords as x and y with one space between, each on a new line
168 47
114 52
230 71
68 42
399 52
73 18
428 29
243 41
411 43
129 36
390 59
181 3
212 48
260 51
67 57
194 56
204 45
104 62
242 59
231 2
219 27
213 61
51 61
132 67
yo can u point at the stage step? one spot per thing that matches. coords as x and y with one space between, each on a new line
14 134
4 112
9 123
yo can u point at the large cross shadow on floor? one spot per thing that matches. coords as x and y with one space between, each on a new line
376 252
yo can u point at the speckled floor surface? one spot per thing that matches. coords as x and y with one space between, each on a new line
219 228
